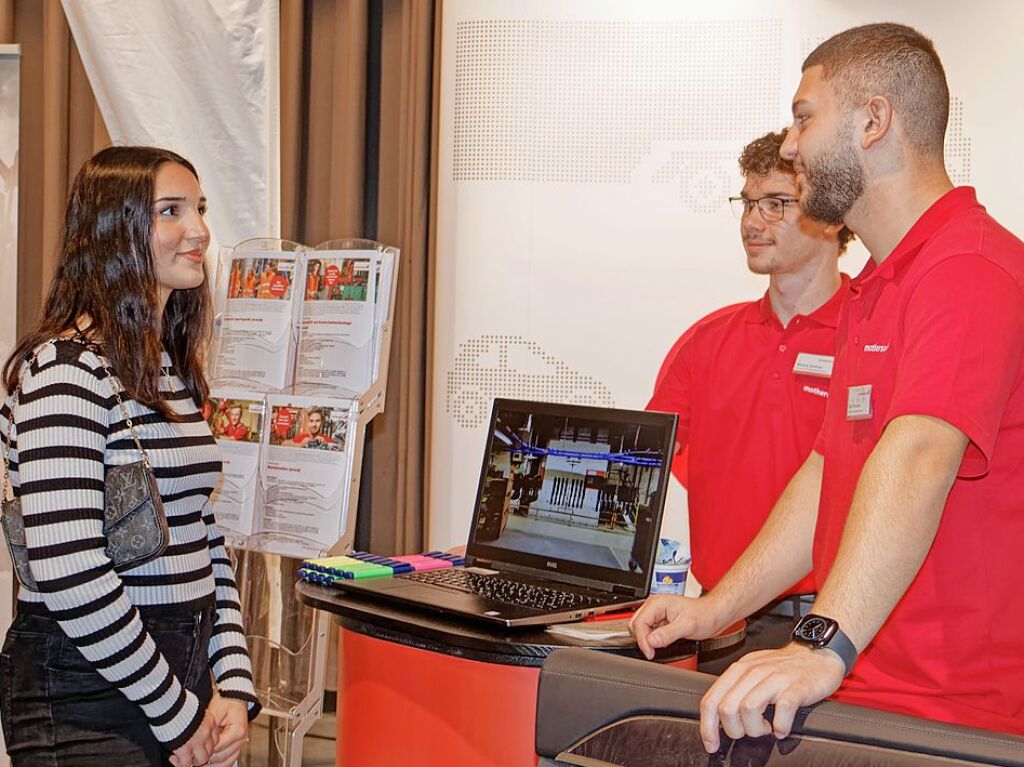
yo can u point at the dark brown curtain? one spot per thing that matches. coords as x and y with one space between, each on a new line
404 215
357 120
323 118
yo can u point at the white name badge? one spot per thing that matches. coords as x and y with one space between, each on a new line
858 403
817 365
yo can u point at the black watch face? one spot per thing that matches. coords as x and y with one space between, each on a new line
815 630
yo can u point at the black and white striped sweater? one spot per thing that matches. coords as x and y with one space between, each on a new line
68 428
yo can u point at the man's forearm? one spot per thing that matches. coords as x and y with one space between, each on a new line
780 555
892 523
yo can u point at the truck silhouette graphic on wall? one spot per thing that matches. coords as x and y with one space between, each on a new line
492 366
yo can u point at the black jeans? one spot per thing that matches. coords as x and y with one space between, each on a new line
58 711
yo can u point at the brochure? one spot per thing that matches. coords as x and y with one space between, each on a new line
338 321
236 421
254 345
304 474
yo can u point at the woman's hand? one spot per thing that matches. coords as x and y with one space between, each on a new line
232 729
199 747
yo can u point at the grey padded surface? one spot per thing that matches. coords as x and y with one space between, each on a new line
582 691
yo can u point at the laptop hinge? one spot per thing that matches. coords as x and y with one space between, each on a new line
624 590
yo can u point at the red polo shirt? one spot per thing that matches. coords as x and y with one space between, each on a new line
938 329
238 433
746 419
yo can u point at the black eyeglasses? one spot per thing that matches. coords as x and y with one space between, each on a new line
770 208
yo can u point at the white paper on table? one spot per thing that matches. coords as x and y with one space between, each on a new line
593 631
255 341
236 420
336 328
304 475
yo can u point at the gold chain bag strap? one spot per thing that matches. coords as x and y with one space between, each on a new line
134 522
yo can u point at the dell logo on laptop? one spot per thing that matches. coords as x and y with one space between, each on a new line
552 565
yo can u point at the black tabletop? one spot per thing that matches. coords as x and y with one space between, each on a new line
432 631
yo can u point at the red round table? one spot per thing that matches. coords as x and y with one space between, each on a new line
416 688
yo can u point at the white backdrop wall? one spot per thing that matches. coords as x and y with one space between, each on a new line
10 109
586 152
10 119
199 77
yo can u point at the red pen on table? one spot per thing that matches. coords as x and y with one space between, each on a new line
610 616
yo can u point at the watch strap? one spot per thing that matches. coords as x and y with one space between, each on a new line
841 645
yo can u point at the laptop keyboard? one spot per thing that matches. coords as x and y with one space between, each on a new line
506 591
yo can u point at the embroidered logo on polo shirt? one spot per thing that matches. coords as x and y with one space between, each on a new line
876 347
816 391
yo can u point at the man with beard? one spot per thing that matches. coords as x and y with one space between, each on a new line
750 382
314 436
918 467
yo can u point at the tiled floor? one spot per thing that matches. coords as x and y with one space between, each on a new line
317 747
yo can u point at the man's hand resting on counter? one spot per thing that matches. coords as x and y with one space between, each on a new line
787 678
663 619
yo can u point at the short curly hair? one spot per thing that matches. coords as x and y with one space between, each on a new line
763 156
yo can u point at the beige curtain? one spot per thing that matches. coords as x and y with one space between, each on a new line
324 61
61 126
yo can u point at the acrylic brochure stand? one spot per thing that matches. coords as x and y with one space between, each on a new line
287 640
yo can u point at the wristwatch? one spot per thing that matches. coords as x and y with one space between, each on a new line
821 633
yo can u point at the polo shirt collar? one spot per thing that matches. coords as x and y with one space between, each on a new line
761 311
949 206
827 314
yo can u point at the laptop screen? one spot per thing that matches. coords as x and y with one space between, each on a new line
574 490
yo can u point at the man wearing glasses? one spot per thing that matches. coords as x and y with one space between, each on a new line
750 383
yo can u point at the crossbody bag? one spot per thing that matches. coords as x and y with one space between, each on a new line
134 522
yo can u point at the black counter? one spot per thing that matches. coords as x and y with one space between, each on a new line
435 632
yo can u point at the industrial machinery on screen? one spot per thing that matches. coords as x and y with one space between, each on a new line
553 481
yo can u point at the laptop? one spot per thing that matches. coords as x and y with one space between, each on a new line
566 523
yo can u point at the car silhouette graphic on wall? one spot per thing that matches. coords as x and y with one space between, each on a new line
492 366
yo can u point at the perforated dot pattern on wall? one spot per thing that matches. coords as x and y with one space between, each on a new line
808 44
705 179
583 101
490 366
958 145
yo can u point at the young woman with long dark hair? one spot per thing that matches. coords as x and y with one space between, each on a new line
147 666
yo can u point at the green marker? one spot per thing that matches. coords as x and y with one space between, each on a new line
376 572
